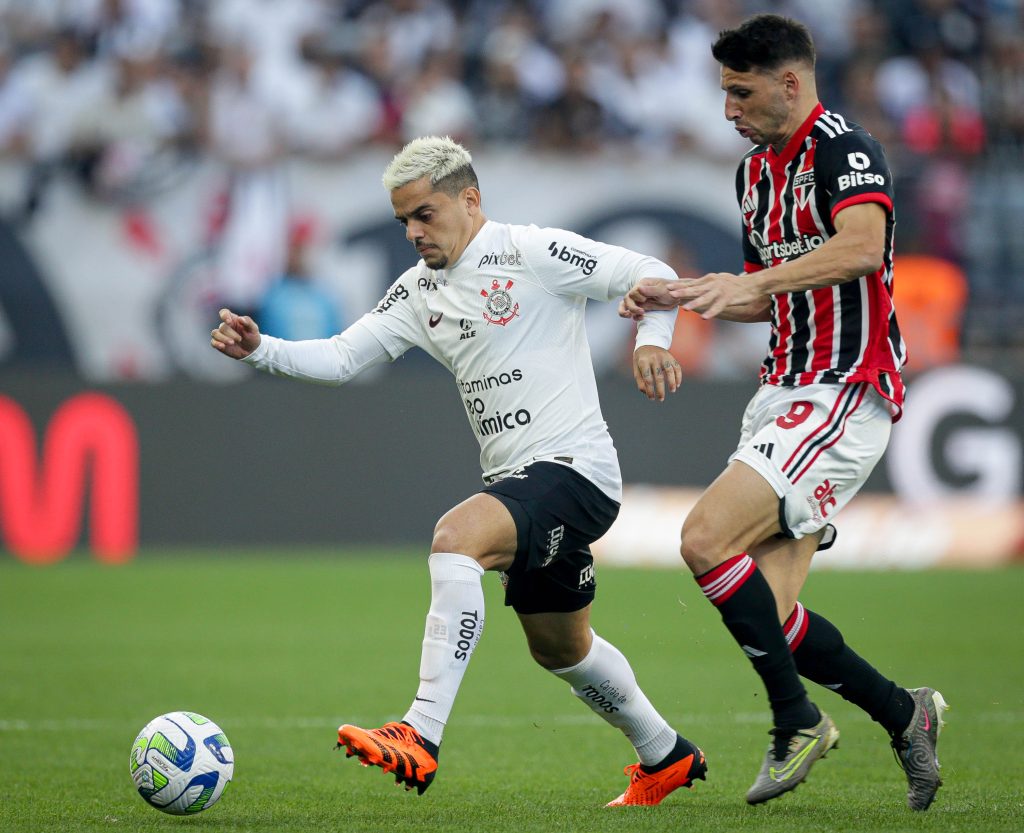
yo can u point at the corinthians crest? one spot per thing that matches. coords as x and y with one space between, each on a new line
499 308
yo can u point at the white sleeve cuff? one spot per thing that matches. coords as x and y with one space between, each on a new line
655 329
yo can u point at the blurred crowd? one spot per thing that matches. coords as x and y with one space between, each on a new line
116 90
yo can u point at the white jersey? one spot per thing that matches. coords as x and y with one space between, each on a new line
507 319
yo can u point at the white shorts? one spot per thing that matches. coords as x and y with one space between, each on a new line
815 445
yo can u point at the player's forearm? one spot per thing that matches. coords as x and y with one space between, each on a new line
656 329
755 311
328 361
842 258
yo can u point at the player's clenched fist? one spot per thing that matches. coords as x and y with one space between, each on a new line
237 336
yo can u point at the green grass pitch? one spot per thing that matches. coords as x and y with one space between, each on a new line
281 648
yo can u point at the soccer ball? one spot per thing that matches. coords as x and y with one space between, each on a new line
181 762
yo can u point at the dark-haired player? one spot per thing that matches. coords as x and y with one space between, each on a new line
816 198
501 307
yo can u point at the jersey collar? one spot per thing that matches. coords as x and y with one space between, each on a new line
779 161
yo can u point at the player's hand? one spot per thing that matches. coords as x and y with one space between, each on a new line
656 372
648 294
714 293
237 336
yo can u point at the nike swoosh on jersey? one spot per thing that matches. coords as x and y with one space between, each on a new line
435 320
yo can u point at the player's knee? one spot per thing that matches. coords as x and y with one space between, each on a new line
447 538
699 547
552 655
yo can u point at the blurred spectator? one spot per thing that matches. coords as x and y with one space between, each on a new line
504 111
698 106
271 32
640 88
570 21
946 139
64 85
437 102
996 214
15 106
859 99
1002 85
125 27
517 40
337 108
833 26
935 100
952 25
246 134
130 126
906 82
575 120
411 31
295 307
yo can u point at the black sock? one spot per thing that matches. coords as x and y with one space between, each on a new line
682 748
747 605
822 656
433 748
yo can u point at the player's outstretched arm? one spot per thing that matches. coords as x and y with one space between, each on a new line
237 336
656 372
724 295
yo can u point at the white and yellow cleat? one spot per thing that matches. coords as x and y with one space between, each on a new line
790 757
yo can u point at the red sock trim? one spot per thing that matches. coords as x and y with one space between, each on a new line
795 627
720 583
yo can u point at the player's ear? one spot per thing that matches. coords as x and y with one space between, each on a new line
792 83
471 199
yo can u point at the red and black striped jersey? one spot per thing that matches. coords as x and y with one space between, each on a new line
838 334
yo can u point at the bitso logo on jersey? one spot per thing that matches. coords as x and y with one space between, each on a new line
499 308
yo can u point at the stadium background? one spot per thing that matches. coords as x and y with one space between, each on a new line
162 158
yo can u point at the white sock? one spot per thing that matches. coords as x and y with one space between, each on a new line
605 682
454 624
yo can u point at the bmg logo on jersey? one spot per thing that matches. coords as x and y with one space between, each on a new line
398 293
860 162
574 257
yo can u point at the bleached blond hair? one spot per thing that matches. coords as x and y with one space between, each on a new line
445 161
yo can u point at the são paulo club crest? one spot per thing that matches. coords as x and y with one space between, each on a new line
499 308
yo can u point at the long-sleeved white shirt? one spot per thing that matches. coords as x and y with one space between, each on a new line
507 319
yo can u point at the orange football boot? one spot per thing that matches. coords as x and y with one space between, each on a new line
394 747
649 788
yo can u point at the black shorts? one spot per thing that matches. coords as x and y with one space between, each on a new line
558 513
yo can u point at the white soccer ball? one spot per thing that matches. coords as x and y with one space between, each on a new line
181 762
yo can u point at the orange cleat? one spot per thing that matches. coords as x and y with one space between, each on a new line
394 747
649 788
